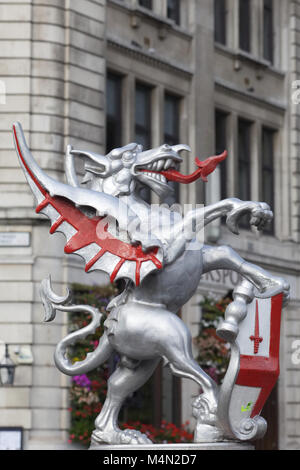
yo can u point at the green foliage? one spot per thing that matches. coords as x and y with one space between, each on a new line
213 352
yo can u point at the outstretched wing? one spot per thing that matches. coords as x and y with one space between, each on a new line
88 237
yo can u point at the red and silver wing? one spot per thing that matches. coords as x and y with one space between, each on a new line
88 237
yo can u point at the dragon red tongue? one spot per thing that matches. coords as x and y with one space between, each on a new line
204 169
173 175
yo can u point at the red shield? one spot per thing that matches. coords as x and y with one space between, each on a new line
259 341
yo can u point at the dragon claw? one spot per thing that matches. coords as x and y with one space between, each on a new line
121 437
260 213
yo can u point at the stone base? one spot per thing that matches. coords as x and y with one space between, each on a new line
227 445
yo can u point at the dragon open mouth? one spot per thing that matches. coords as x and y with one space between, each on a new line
165 171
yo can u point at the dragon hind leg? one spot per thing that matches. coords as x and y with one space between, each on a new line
123 382
178 356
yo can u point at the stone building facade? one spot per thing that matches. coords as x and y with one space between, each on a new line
209 74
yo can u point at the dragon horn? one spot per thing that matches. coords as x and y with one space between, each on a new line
101 165
180 148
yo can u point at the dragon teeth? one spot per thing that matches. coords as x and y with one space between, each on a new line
168 163
160 165
156 176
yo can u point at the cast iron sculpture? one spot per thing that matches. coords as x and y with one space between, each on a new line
159 254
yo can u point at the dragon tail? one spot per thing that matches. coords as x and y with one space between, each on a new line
52 303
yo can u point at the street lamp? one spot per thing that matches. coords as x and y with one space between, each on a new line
7 369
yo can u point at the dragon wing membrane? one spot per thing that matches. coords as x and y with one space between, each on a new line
87 237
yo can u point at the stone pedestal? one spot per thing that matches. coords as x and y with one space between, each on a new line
227 445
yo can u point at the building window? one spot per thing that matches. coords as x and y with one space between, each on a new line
113 111
268 31
171 119
245 25
171 136
268 171
220 21
244 160
146 4
143 133
143 115
220 146
173 10
244 166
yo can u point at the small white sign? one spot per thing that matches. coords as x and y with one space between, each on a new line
14 238
11 438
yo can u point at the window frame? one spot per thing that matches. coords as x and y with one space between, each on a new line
244 161
268 168
245 24
147 129
148 4
117 77
220 146
177 16
172 139
268 33
220 34
241 163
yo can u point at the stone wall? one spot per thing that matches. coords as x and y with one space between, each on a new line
53 69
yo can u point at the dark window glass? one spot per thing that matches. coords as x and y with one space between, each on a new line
173 10
244 160
268 30
244 165
220 144
171 136
143 124
171 119
268 171
146 4
245 25
113 111
220 21
143 115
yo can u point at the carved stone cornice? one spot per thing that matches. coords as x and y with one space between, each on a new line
148 57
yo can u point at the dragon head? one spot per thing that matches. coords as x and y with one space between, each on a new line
118 172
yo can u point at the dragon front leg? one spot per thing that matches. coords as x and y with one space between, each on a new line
195 221
224 257
234 209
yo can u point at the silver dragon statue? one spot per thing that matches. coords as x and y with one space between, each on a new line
160 256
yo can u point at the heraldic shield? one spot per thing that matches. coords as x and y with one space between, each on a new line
254 364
